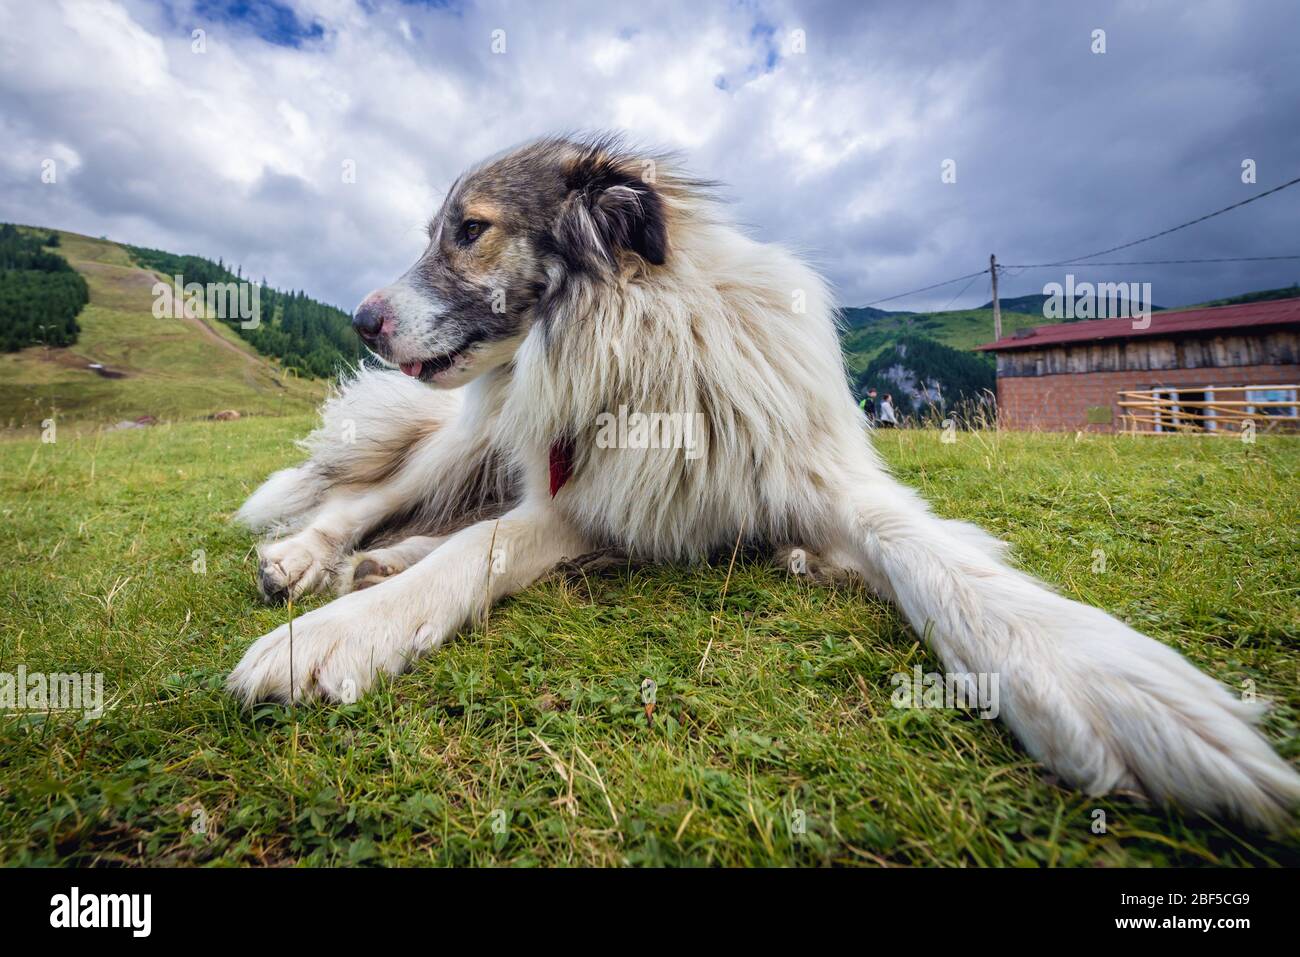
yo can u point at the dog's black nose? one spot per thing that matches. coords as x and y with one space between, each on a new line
368 320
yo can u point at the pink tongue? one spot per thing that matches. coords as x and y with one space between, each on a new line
412 368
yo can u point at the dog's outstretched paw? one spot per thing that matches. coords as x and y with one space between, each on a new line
1111 710
329 654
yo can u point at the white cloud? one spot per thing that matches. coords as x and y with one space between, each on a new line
238 152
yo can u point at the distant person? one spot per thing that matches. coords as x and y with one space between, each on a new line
868 405
887 417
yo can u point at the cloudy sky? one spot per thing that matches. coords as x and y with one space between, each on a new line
830 123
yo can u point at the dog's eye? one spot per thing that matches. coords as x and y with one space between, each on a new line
472 229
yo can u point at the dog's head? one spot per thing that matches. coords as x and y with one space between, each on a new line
511 236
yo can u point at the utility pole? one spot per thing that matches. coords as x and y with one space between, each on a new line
997 306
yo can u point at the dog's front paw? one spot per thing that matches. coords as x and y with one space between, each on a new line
294 566
332 653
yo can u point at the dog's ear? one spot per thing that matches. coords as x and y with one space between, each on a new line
611 206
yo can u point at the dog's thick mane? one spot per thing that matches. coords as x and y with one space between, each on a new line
739 332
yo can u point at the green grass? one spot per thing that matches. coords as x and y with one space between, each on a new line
173 369
774 695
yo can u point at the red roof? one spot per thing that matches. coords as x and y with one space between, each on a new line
1182 322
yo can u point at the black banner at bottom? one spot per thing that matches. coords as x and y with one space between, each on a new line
335 907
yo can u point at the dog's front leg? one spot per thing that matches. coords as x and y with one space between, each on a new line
338 650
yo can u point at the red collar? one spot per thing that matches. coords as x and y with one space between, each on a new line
561 463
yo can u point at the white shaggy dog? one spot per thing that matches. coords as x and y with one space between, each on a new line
571 278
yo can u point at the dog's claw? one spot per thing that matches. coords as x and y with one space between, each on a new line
271 585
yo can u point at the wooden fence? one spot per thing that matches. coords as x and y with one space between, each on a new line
1210 410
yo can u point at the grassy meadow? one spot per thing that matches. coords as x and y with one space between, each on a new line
526 742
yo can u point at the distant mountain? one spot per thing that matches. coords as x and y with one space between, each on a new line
855 317
961 329
1264 295
1033 304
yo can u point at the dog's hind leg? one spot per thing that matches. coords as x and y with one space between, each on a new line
373 565
820 568
1094 700
366 423
284 500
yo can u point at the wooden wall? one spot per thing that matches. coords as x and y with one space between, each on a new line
1065 402
1277 347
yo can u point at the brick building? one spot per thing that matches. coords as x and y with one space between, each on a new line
1067 377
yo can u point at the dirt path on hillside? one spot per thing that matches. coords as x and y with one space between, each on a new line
215 336
134 275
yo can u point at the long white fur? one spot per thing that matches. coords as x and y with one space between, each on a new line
743 333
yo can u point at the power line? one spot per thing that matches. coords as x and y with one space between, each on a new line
962 291
1079 260
1174 229
946 282
1150 262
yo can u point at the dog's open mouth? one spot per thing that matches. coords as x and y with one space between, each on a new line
427 369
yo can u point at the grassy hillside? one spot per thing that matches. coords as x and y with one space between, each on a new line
960 329
171 369
298 332
774 695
